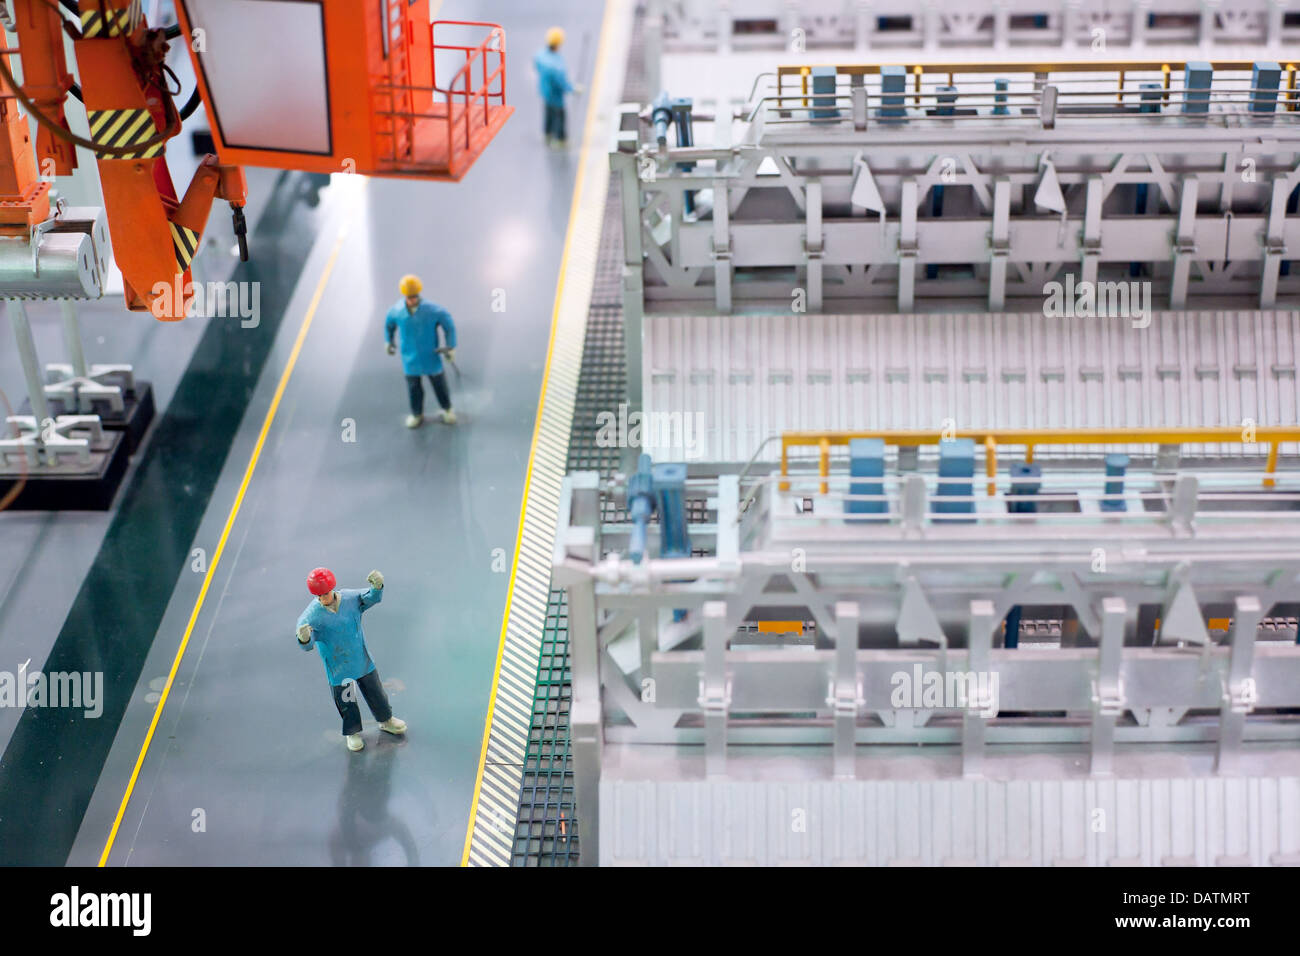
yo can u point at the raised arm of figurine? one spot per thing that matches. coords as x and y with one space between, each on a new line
305 640
375 594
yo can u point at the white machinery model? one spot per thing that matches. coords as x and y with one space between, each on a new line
1058 548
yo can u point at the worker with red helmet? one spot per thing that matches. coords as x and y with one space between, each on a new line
332 624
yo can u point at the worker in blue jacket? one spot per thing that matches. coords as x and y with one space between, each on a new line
332 624
553 83
419 322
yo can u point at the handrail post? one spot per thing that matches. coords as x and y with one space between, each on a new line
785 463
825 463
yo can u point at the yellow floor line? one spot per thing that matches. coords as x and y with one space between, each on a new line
221 545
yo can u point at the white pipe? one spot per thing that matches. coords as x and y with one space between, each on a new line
31 369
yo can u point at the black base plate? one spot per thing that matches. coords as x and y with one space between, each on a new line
71 492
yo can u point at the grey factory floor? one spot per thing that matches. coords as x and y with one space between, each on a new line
249 734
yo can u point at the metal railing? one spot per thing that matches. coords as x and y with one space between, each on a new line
1031 439
1065 506
1042 90
466 105
460 85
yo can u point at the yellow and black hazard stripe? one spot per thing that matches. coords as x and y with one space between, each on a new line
123 128
97 24
186 243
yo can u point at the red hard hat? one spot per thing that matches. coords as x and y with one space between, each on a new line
321 581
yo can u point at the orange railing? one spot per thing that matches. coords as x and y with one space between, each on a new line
469 103
460 85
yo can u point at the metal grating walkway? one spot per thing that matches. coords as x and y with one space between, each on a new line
545 833
545 830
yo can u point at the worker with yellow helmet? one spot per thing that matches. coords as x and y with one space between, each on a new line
418 321
553 83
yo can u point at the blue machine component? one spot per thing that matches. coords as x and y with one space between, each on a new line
666 111
1000 97
823 81
670 494
1012 637
1151 98
947 96
640 506
1265 80
661 115
1026 479
660 488
1116 464
866 460
893 80
956 460
1196 85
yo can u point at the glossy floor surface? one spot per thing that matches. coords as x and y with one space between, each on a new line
247 764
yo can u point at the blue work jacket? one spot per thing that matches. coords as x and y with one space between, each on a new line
552 77
419 331
337 634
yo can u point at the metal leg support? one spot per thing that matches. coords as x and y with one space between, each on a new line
40 437
715 693
846 695
1108 691
1239 695
982 622
74 381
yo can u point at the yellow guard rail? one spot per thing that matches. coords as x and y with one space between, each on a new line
1031 438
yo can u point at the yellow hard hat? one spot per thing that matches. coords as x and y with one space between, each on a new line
554 36
410 285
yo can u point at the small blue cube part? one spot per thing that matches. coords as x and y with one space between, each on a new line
956 460
1265 80
1197 78
866 460
893 80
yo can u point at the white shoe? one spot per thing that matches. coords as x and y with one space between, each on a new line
414 421
355 742
394 725
449 417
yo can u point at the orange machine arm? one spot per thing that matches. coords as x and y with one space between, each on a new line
131 116
367 95
46 81
24 199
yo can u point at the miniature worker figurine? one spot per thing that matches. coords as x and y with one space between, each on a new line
553 82
419 321
332 624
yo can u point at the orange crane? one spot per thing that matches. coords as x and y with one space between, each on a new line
318 85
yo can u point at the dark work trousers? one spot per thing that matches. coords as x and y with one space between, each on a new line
345 699
555 122
416 391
